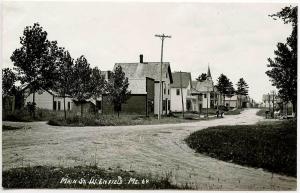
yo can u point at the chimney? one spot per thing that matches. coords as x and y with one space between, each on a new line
141 58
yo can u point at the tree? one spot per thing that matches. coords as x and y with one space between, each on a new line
223 85
117 89
35 60
242 90
64 81
81 87
230 91
283 72
98 83
8 82
202 77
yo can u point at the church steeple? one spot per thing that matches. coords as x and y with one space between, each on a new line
208 73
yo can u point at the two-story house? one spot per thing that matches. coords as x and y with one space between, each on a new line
144 84
181 93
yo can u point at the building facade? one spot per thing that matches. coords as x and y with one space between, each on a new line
182 101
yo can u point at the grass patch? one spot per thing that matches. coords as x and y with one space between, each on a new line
23 115
9 128
261 112
269 146
53 177
114 120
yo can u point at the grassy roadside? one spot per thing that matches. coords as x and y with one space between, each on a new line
261 112
10 128
234 112
271 146
113 120
86 177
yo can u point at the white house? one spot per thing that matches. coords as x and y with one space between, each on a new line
208 95
45 99
231 102
182 81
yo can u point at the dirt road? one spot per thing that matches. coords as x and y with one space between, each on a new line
156 149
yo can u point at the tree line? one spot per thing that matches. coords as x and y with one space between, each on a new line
283 67
41 64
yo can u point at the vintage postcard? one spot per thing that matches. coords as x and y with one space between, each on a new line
149 95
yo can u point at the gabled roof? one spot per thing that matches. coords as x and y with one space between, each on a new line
146 69
51 92
194 83
186 79
204 86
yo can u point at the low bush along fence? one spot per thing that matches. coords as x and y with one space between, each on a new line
23 115
269 146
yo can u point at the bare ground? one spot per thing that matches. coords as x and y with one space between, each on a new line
156 149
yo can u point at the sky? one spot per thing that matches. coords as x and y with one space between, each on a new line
235 39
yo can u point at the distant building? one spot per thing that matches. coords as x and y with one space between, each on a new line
231 102
208 94
50 100
269 100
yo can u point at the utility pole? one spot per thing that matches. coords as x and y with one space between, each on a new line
207 102
181 95
162 37
269 103
273 92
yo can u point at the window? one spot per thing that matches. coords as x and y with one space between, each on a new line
164 105
168 91
169 104
177 91
58 105
166 75
54 105
204 96
69 106
98 105
164 90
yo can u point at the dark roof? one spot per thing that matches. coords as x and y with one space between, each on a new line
186 79
146 69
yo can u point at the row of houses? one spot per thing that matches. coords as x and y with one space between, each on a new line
178 91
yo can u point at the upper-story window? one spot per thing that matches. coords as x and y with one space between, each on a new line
177 91
204 96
